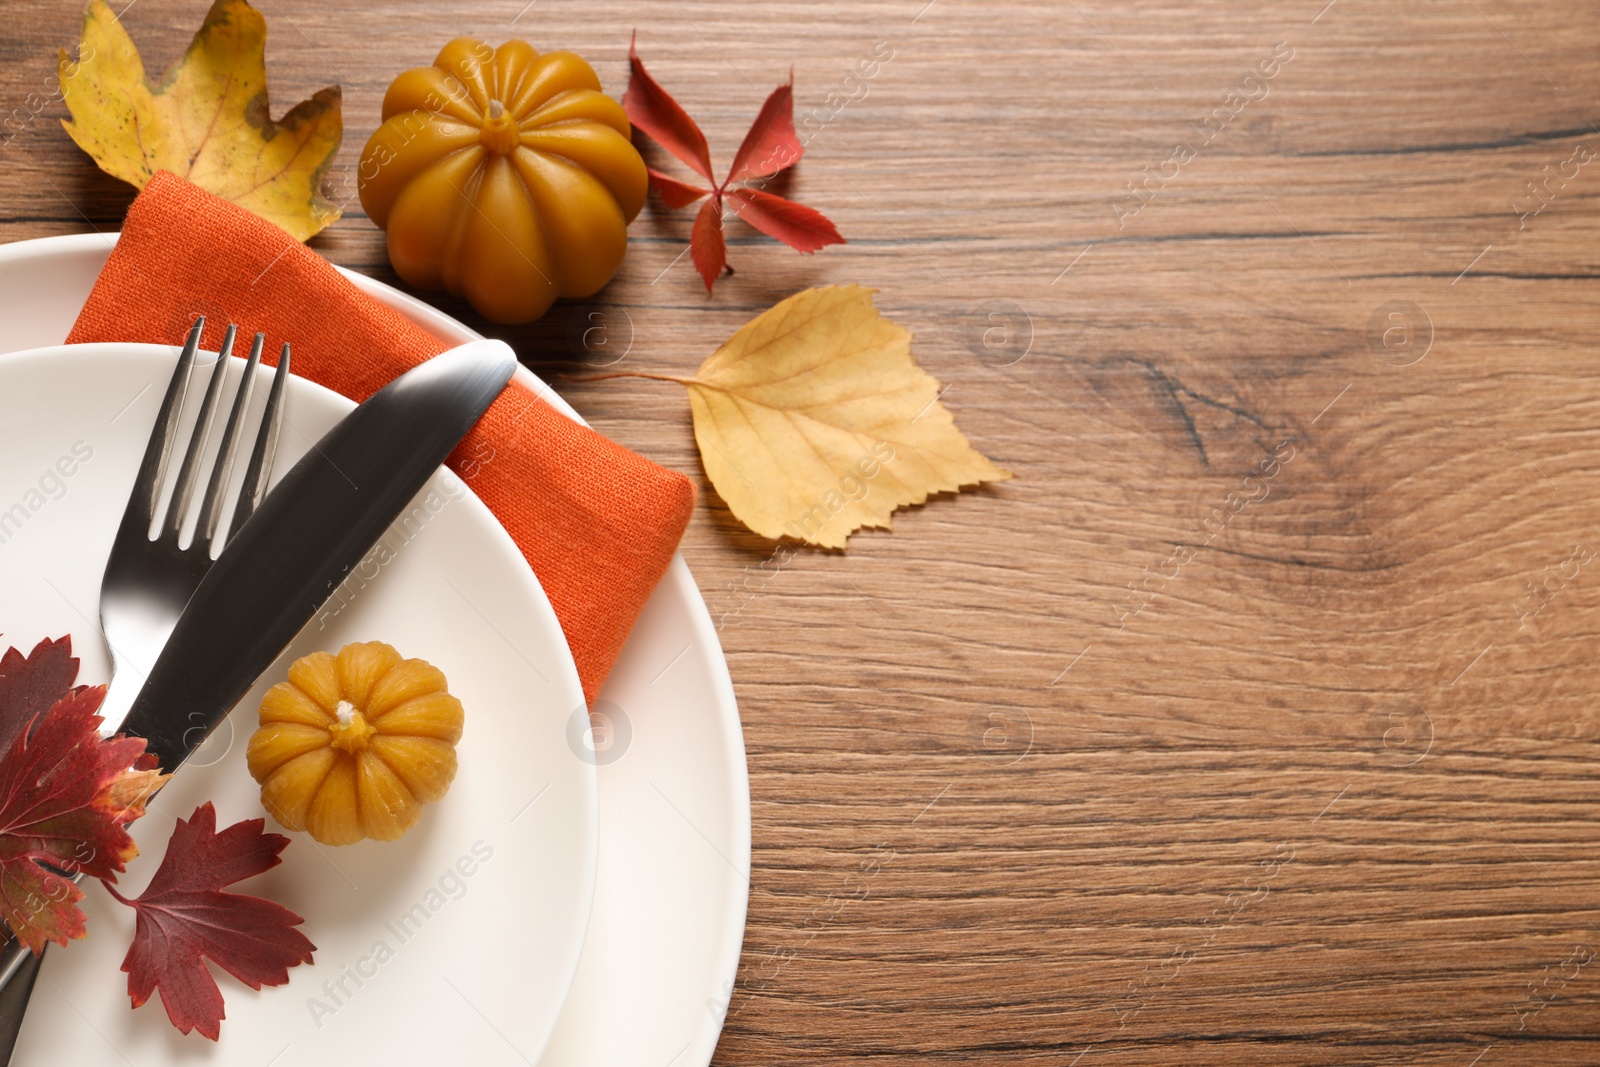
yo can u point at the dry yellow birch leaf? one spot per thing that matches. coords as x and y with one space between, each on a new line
814 421
207 120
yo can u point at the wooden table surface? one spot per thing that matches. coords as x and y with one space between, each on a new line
1254 721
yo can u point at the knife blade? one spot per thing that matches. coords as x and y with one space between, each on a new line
316 524
288 559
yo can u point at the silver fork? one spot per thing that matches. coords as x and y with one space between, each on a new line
149 580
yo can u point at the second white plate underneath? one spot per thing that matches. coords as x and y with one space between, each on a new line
660 961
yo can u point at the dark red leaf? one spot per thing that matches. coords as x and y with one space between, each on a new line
57 807
185 918
30 684
794 224
675 194
653 110
705 243
771 145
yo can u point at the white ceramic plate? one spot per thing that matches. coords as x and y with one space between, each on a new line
464 934
663 944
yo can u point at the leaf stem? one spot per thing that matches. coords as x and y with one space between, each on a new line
630 374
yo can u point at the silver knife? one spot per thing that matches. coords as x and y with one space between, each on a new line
315 525
291 555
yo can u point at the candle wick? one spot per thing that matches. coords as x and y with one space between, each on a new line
497 110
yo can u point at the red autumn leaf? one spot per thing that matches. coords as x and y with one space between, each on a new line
185 918
653 110
58 807
769 147
30 684
794 224
675 194
706 246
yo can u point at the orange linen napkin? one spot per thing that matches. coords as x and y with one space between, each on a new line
597 523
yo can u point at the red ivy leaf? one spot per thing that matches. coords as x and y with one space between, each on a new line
30 684
771 145
186 918
675 194
653 110
794 224
706 244
57 807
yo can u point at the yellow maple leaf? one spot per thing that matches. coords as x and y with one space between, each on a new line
813 421
207 120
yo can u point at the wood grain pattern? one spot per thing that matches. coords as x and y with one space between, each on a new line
1148 756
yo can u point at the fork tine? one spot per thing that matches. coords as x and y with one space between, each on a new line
147 486
211 505
189 473
260 469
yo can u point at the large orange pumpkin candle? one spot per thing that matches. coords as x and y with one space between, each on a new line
504 176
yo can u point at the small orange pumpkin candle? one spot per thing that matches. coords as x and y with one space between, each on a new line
352 746
503 176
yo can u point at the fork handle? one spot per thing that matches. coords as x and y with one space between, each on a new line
14 1000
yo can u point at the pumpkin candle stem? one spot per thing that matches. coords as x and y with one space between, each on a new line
350 733
500 134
